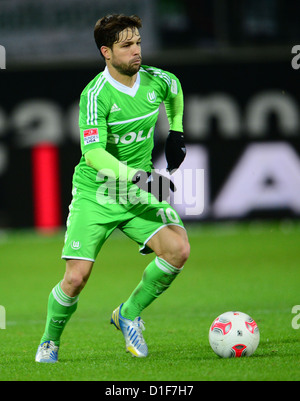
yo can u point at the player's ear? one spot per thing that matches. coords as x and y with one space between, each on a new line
106 52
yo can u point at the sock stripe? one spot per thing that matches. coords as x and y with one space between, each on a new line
62 298
166 267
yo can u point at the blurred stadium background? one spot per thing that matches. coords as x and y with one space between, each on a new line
234 59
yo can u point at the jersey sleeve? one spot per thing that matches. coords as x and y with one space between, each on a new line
174 103
92 123
173 86
170 84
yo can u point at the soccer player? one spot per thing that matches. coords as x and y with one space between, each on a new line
115 185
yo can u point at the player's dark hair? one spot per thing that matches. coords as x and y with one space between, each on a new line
107 29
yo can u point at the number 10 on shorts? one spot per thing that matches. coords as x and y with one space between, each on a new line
168 215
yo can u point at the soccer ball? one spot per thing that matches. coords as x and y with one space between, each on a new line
233 334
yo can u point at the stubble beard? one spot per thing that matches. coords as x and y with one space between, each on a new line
127 69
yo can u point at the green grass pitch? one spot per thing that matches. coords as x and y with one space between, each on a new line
254 268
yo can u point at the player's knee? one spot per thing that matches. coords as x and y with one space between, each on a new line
183 252
76 280
179 252
171 245
76 276
187 250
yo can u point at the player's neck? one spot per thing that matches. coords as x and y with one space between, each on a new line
123 79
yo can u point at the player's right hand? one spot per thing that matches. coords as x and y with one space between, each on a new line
154 183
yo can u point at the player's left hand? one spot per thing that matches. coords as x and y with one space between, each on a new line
175 150
157 184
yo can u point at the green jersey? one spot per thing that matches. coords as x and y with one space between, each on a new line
122 120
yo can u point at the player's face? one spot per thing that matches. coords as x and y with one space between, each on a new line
125 54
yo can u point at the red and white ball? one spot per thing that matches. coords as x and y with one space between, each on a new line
233 335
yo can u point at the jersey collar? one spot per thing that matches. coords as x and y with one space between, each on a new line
120 87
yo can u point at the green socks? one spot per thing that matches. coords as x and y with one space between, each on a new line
157 277
60 309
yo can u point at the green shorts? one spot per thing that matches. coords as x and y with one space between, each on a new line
90 223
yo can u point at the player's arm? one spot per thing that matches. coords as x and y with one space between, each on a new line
175 149
100 159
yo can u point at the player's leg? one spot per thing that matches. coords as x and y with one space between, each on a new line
63 298
62 303
84 238
168 239
171 247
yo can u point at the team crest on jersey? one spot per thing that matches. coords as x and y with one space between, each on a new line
151 96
